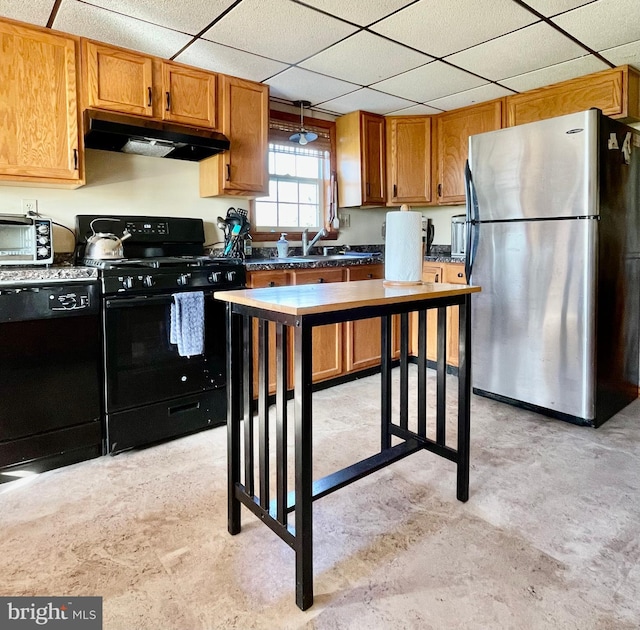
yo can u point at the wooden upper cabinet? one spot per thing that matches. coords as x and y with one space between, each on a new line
453 131
616 92
38 107
118 80
244 119
408 159
189 95
361 159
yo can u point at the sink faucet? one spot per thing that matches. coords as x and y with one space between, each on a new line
306 245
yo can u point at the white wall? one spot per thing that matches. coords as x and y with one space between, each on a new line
119 183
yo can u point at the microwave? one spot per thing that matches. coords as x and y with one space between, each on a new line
25 240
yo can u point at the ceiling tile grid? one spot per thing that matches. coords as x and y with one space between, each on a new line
386 56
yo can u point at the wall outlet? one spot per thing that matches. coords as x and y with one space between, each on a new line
345 220
30 206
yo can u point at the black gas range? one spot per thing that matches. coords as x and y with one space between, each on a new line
154 389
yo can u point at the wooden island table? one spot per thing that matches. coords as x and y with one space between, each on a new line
299 309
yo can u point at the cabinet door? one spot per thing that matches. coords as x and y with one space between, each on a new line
454 274
409 159
244 119
118 80
613 91
189 95
258 280
38 107
362 337
373 159
327 340
454 129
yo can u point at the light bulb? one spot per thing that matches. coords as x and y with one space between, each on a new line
303 138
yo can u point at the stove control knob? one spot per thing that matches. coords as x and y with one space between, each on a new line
183 279
43 240
127 282
148 281
215 277
43 228
43 251
231 275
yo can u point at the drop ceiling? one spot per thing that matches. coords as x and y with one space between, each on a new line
384 56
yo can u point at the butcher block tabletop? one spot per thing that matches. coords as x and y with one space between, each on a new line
308 299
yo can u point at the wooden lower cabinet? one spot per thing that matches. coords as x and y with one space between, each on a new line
362 337
337 348
452 273
327 340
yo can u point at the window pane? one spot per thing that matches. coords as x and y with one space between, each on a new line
266 213
272 162
307 167
285 164
288 214
309 216
273 191
288 191
308 193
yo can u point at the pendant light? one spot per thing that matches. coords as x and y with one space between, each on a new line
303 136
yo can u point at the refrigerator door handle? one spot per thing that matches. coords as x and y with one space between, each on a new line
472 219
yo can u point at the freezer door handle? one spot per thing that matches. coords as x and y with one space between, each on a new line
472 219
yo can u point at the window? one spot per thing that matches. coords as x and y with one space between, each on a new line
297 177
301 180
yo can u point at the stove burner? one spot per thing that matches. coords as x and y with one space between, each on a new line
159 262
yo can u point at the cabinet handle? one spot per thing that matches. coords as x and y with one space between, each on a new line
439 190
436 280
320 280
460 275
228 172
272 284
150 94
75 159
168 101
369 275
395 190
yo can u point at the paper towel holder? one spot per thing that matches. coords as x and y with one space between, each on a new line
402 283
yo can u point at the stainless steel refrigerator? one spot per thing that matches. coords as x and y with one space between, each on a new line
553 231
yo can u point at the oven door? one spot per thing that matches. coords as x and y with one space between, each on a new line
143 367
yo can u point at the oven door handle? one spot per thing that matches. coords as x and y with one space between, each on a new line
140 300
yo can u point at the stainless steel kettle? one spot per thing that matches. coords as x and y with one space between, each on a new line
105 245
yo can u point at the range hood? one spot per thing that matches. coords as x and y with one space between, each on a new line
132 134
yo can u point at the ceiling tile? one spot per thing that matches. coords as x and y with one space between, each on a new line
360 49
296 84
415 110
440 27
187 16
429 82
622 55
368 100
237 63
34 11
278 29
112 28
603 24
556 73
362 12
553 7
480 94
518 52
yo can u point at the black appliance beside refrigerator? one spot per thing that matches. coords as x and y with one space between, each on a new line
553 239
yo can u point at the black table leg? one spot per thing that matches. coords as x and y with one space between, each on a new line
464 399
234 414
303 466
385 388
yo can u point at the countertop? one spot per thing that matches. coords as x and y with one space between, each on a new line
308 299
272 264
37 274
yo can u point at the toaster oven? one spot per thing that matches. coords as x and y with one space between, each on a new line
25 240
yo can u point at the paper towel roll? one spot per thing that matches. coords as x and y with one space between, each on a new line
403 252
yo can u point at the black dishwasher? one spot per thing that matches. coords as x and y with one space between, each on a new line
49 376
